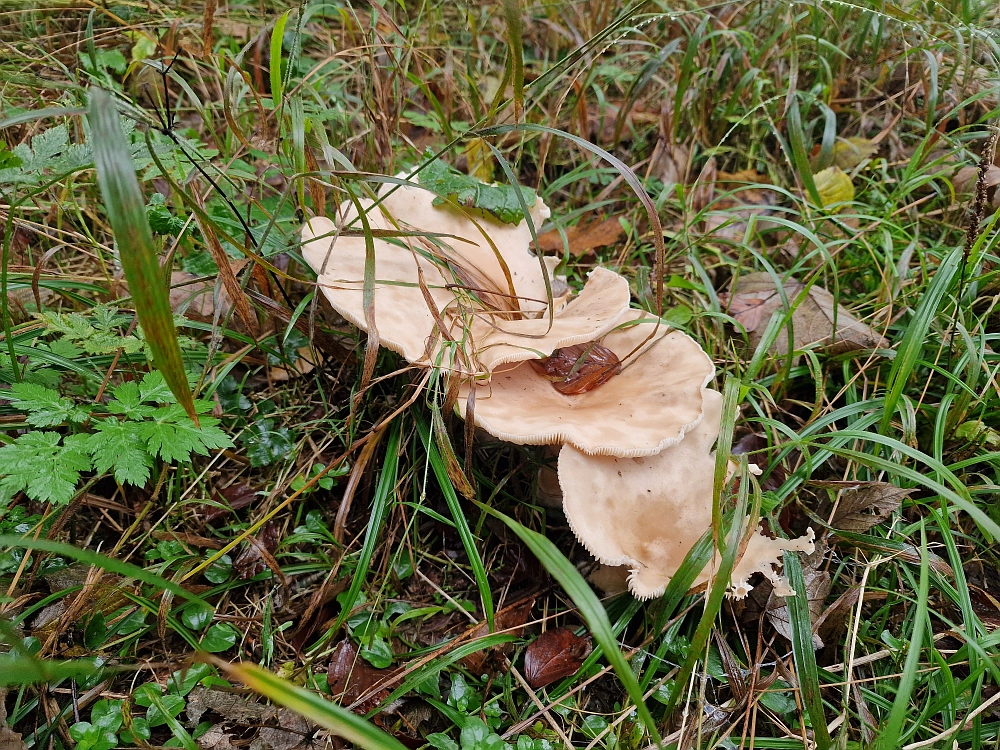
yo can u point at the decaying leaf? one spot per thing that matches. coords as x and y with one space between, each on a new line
510 619
850 152
834 186
817 589
583 237
555 654
579 368
9 739
253 559
727 216
350 677
865 504
755 298
236 496
965 179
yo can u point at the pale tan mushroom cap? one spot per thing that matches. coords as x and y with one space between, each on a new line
404 322
650 405
402 317
647 513
600 306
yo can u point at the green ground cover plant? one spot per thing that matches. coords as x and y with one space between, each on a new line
230 518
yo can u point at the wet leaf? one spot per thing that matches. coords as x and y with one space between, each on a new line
350 677
583 237
755 298
267 444
237 496
555 654
579 368
866 504
512 619
500 201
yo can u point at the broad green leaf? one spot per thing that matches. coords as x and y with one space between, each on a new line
114 446
267 444
38 465
45 407
172 436
220 637
126 209
498 200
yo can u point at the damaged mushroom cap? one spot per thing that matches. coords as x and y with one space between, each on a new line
648 512
470 257
600 306
651 404
402 315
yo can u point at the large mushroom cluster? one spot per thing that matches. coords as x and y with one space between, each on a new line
623 397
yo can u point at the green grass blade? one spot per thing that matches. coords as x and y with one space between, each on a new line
338 720
515 42
590 608
914 340
126 210
380 509
277 37
800 153
26 670
803 652
893 727
464 532
128 570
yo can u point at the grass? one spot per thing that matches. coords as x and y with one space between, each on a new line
347 511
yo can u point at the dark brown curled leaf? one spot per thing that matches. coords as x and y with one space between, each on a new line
579 368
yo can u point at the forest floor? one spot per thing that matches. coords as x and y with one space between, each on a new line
339 526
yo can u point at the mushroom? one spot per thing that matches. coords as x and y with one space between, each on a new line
480 280
647 512
650 405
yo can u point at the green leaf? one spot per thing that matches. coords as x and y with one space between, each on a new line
42 468
500 201
196 616
173 436
127 213
378 653
220 637
46 407
114 445
338 720
184 681
170 705
267 444
107 715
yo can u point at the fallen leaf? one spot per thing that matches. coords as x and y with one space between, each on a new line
579 368
866 504
834 186
755 298
293 731
233 707
508 619
583 237
817 589
965 180
237 496
350 677
984 604
553 655
727 216
850 152
216 739
253 559
9 739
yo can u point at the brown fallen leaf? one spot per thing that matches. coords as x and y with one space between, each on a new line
817 589
508 619
553 655
237 496
9 739
583 237
755 298
579 368
965 179
349 677
254 557
864 504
